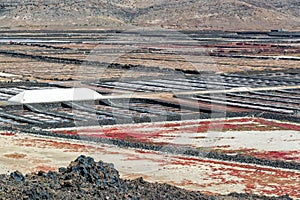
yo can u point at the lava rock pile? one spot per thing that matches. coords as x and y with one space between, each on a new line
86 179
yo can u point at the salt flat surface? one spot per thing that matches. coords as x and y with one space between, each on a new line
280 140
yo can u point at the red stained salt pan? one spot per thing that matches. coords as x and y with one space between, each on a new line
136 132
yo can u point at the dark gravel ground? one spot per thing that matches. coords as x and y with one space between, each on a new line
86 179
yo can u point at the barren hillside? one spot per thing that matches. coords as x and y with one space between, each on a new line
184 14
224 15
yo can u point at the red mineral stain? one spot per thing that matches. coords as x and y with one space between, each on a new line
277 155
15 155
44 168
8 134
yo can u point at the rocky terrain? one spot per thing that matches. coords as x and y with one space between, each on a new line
86 179
118 14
